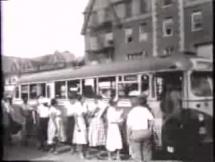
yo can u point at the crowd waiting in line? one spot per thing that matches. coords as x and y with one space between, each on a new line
96 125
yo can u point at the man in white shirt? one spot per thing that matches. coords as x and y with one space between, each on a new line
43 112
70 109
139 119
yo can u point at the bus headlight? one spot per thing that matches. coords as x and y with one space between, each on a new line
201 117
170 149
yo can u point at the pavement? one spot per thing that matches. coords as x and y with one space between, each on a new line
18 152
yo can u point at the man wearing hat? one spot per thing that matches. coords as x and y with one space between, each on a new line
139 130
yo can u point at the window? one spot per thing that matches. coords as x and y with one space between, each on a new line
108 39
168 51
17 92
33 91
128 8
143 36
128 86
41 91
128 35
196 21
145 84
136 56
202 84
89 88
107 87
143 6
24 91
167 3
60 89
73 88
168 27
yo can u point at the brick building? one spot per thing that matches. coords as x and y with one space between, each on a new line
117 30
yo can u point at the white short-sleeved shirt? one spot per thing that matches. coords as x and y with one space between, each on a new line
43 111
138 118
54 110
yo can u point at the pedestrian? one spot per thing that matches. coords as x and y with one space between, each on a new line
139 130
70 122
6 122
53 125
114 137
27 112
43 112
97 131
80 129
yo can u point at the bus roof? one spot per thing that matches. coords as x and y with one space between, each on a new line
134 66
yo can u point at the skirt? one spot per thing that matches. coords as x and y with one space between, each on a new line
114 137
97 133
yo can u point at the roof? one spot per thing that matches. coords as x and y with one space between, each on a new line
137 66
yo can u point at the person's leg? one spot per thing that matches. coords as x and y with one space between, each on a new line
136 150
117 154
147 150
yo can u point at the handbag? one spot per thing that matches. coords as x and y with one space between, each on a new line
140 135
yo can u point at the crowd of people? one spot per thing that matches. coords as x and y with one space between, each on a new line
84 125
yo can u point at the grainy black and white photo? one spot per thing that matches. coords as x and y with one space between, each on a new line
107 80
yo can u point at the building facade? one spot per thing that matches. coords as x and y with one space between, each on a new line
119 30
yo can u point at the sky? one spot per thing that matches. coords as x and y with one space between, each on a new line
32 28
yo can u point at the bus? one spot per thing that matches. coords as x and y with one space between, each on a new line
191 75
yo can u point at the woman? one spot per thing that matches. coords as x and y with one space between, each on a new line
97 133
139 130
80 129
114 137
53 125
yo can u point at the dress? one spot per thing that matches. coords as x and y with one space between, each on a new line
53 124
97 132
114 137
80 129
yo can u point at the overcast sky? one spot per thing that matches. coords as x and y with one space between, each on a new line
33 28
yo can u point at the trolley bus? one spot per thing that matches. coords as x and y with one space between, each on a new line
190 74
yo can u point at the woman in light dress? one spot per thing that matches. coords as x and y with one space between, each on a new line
97 132
53 125
114 137
80 129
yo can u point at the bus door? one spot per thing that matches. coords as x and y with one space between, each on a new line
168 92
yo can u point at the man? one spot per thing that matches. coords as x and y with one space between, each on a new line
139 126
43 112
70 106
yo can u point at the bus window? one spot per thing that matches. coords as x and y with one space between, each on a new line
201 83
107 87
73 88
128 86
145 85
127 89
33 91
24 91
41 91
89 88
60 89
17 92
48 91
